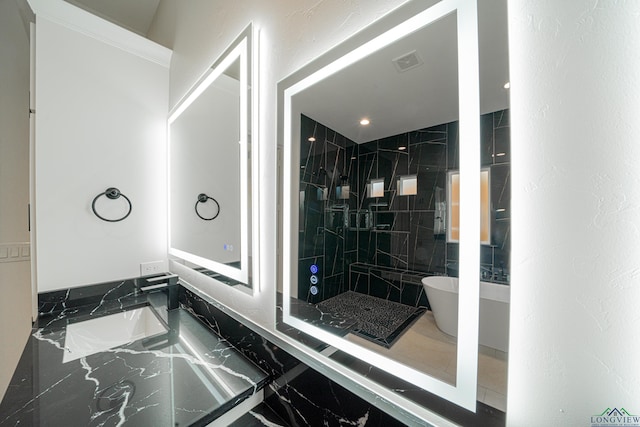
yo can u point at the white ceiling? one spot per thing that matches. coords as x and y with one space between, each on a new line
134 15
395 102
423 96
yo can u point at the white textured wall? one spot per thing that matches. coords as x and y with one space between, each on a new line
575 324
100 122
15 284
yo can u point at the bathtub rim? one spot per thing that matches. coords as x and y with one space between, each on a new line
488 290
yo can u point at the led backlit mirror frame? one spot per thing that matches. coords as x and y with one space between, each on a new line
464 391
240 50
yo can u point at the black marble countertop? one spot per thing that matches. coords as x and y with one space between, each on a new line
183 375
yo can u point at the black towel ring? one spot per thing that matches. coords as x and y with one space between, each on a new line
111 193
202 198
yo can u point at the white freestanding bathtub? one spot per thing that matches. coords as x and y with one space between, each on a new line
442 293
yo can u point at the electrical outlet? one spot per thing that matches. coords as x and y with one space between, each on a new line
153 267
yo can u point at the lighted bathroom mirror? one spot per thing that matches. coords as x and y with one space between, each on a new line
416 68
210 166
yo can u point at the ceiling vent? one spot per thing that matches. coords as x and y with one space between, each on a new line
407 61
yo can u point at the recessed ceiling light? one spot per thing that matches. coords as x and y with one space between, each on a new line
402 148
507 85
311 139
364 122
501 154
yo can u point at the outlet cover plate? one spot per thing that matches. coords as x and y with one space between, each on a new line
152 267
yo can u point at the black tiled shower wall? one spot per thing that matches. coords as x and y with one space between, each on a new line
403 239
325 164
495 139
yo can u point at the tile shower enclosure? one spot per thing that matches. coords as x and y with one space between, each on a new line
383 246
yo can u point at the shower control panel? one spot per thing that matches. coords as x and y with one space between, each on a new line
313 279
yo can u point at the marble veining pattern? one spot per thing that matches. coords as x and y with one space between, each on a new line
187 376
162 381
296 395
103 294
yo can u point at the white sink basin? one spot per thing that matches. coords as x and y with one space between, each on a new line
96 335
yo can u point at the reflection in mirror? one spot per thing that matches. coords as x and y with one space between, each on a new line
375 269
369 278
453 209
210 167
